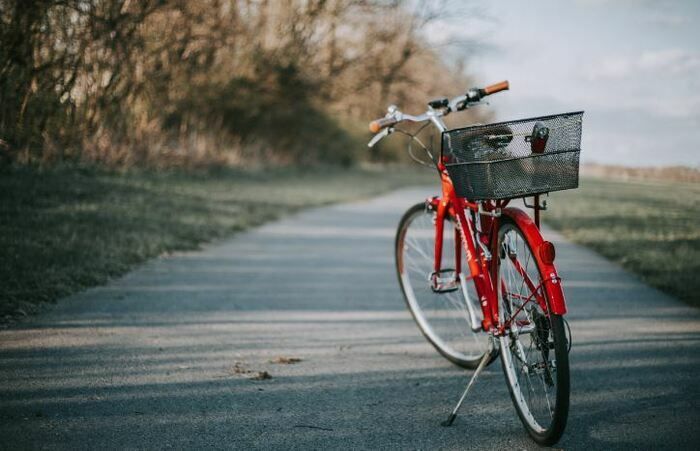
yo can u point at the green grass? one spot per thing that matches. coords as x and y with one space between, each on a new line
63 230
651 228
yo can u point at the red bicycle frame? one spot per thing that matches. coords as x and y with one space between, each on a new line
482 257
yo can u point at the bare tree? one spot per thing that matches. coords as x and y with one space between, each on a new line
173 81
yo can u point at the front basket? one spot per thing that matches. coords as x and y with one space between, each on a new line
514 159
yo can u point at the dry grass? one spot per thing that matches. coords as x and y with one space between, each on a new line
668 173
650 227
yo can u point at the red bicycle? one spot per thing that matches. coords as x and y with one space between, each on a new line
476 274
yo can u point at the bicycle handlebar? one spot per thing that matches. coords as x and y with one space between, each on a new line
473 96
496 87
378 124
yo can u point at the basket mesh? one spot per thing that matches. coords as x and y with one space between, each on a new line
514 159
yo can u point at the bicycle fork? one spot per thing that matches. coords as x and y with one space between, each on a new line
448 280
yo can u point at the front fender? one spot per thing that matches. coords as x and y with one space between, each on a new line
552 283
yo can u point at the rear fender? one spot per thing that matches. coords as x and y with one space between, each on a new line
552 283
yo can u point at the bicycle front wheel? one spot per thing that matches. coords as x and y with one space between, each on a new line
534 351
443 316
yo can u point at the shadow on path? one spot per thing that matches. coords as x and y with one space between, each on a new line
165 357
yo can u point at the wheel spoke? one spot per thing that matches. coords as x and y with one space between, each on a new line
442 316
534 384
546 396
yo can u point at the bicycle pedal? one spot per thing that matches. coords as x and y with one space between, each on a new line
444 281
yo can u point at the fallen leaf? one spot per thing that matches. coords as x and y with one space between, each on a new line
261 375
286 360
238 368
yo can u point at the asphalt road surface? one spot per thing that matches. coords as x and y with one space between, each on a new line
176 354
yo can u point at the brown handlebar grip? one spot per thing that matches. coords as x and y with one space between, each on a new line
379 124
496 87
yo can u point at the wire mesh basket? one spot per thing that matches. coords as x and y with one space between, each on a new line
516 158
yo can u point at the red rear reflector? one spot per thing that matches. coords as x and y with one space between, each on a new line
547 252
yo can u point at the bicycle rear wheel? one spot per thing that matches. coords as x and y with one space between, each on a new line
534 352
442 317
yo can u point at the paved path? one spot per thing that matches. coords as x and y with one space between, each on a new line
163 358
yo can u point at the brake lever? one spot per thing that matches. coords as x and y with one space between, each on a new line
379 136
473 104
462 103
458 103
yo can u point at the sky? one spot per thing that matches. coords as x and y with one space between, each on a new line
633 66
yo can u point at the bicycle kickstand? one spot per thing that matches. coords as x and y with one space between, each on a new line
482 364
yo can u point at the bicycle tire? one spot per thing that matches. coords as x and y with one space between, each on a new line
544 422
444 325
